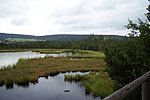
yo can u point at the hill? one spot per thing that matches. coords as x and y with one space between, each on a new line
60 37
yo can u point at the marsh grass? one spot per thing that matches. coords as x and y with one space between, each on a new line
99 84
49 50
13 50
1 83
29 70
88 54
75 53
35 50
75 78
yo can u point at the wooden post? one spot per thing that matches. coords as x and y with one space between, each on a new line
146 90
144 80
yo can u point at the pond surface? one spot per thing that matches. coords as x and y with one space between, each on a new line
50 88
10 58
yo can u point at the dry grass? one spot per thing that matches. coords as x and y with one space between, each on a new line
35 50
31 69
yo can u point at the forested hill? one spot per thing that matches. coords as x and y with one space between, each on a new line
61 37
6 35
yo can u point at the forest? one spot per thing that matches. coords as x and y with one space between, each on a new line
91 43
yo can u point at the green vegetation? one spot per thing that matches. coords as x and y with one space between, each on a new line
49 50
31 69
97 83
87 54
130 58
76 53
36 50
13 50
75 78
21 40
91 43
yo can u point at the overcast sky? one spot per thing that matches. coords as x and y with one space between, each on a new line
46 17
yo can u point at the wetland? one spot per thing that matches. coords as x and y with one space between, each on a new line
26 75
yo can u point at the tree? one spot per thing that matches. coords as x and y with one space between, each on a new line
130 58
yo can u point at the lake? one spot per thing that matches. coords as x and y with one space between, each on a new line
50 88
10 58
45 88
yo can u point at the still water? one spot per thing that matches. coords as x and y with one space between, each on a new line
50 88
10 58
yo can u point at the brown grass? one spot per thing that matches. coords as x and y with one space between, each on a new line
32 69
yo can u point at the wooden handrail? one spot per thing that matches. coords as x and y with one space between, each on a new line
124 91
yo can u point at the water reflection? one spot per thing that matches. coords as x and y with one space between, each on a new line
24 84
10 58
51 88
9 86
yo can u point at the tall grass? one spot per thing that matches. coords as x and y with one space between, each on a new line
99 84
88 54
27 70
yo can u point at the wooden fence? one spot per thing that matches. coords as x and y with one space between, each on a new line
144 80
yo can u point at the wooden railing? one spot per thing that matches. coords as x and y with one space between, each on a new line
144 80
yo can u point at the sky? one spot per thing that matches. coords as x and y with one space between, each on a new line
47 17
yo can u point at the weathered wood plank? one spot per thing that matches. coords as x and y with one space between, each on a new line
123 92
146 90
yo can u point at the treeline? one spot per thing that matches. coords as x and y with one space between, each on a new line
92 43
129 59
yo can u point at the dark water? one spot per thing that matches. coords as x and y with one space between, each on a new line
10 58
51 88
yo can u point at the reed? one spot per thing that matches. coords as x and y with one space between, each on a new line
75 78
99 84
27 70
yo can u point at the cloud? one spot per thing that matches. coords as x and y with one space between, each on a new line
101 15
11 8
41 17
19 21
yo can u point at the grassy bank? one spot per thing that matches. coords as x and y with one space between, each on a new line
13 50
88 54
32 69
49 50
35 50
76 53
99 84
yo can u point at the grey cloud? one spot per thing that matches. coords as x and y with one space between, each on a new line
74 15
101 15
88 22
93 26
19 21
84 7
9 8
75 9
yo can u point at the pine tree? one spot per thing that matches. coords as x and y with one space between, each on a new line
130 58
